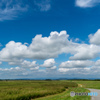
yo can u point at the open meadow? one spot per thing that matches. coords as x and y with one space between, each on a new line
44 90
94 84
26 90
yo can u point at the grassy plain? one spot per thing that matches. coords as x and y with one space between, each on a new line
66 95
89 84
27 90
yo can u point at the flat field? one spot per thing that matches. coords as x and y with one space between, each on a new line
44 90
89 84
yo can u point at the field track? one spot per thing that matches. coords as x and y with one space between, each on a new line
95 97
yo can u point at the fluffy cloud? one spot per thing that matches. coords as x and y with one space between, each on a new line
87 3
97 63
85 52
94 38
48 47
88 51
63 70
54 67
49 63
13 51
35 68
88 72
81 68
23 63
40 48
76 64
12 69
26 64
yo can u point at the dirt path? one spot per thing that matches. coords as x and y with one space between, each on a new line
95 97
94 91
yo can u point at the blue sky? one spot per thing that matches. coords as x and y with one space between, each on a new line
49 39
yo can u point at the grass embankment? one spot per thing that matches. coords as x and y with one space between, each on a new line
66 95
26 90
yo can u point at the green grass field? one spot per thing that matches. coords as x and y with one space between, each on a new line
26 90
40 90
89 84
66 95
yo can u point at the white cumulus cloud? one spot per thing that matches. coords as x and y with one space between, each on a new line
95 38
35 68
26 64
76 64
85 52
49 63
40 48
48 48
87 3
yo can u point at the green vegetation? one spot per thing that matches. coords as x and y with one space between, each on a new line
27 90
66 95
89 84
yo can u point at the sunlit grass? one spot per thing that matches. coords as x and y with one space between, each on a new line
26 90
89 84
66 95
